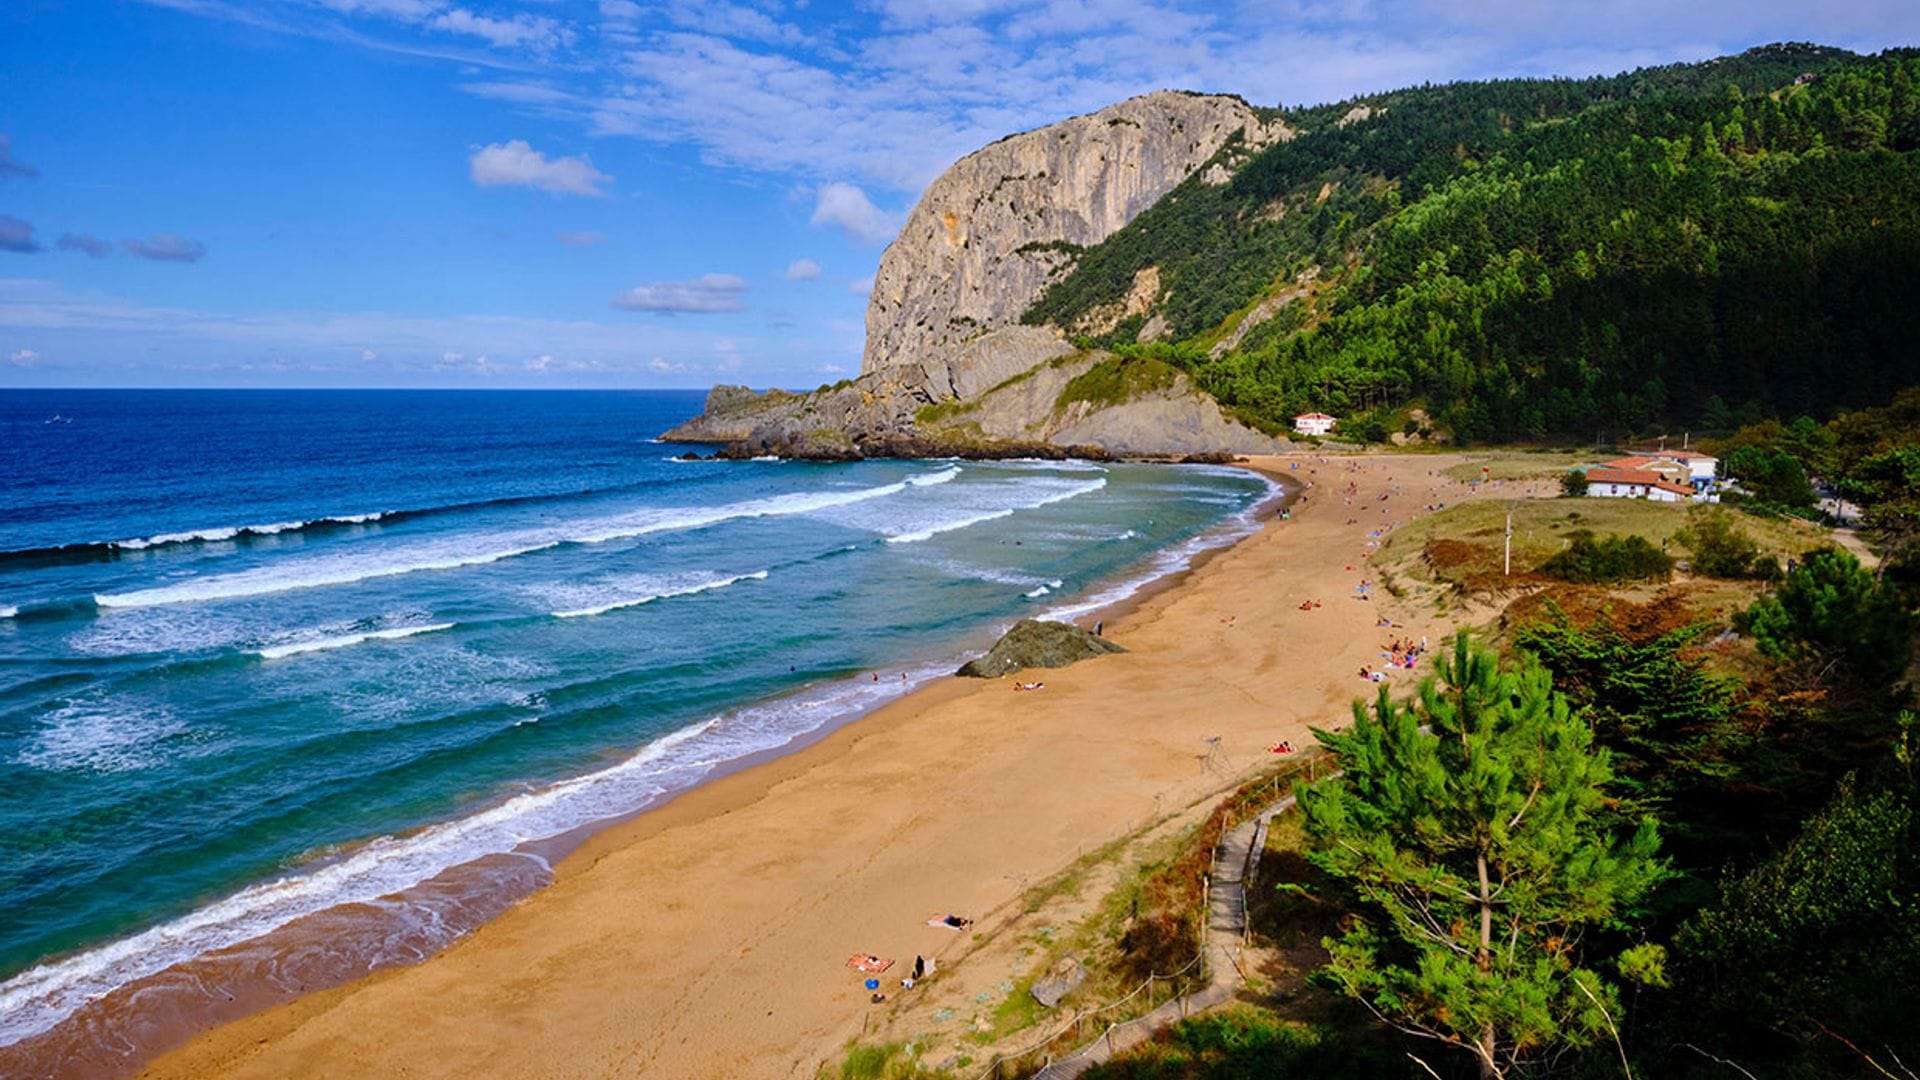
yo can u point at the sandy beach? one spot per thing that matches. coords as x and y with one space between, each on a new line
710 937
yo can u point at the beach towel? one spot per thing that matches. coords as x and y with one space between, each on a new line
864 962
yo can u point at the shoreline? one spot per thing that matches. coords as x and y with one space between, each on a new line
709 937
284 967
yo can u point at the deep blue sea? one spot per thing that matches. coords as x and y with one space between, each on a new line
264 653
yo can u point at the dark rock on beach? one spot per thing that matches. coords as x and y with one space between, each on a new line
1032 643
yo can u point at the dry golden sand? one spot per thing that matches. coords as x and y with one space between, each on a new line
710 937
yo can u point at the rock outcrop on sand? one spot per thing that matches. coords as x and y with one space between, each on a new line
1034 643
947 369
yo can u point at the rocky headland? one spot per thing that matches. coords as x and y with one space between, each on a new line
949 371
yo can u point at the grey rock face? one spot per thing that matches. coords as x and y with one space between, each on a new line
947 368
987 235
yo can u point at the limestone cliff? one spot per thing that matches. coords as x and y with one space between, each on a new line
947 368
987 235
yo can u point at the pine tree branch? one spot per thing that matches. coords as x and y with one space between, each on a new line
1734 1065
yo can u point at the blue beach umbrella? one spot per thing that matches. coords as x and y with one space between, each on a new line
873 984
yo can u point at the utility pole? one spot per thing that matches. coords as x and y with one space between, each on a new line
1509 567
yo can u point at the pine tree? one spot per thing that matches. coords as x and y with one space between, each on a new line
1472 824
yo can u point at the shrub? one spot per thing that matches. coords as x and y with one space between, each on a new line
1246 1042
1591 561
1773 476
1574 483
1832 613
1721 550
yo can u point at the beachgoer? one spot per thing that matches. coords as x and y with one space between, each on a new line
919 966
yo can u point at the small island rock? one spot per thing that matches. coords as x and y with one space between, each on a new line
1033 643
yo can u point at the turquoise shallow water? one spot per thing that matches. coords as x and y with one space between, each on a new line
242 634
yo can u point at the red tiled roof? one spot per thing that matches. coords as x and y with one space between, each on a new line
1313 416
1611 474
1608 474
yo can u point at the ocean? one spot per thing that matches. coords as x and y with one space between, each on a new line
273 656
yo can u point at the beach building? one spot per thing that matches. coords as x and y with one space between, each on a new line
1612 482
1700 468
1313 423
1671 471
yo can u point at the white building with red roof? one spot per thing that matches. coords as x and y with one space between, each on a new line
1610 481
1313 423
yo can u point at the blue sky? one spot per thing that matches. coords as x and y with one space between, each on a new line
605 193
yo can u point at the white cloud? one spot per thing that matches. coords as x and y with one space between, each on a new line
541 362
24 358
660 365
846 206
536 32
889 92
580 237
802 270
861 286
368 356
166 247
103 339
706 294
516 164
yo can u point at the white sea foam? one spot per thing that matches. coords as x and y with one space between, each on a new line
1011 498
350 567
100 735
930 480
8 612
636 601
949 526
39 998
1177 558
230 532
295 648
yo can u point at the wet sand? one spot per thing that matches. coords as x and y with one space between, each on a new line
710 937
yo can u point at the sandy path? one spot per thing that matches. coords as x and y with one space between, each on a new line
710 938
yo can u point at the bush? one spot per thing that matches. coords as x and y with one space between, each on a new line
1773 476
1721 550
1244 1042
1590 561
1574 483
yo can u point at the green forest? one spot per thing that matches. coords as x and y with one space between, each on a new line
1689 245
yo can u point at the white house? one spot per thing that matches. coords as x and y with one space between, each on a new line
1313 423
1700 467
1610 482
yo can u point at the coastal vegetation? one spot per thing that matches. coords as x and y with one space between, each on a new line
1473 829
1692 245
1757 723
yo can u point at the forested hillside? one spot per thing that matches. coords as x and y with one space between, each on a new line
1530 258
